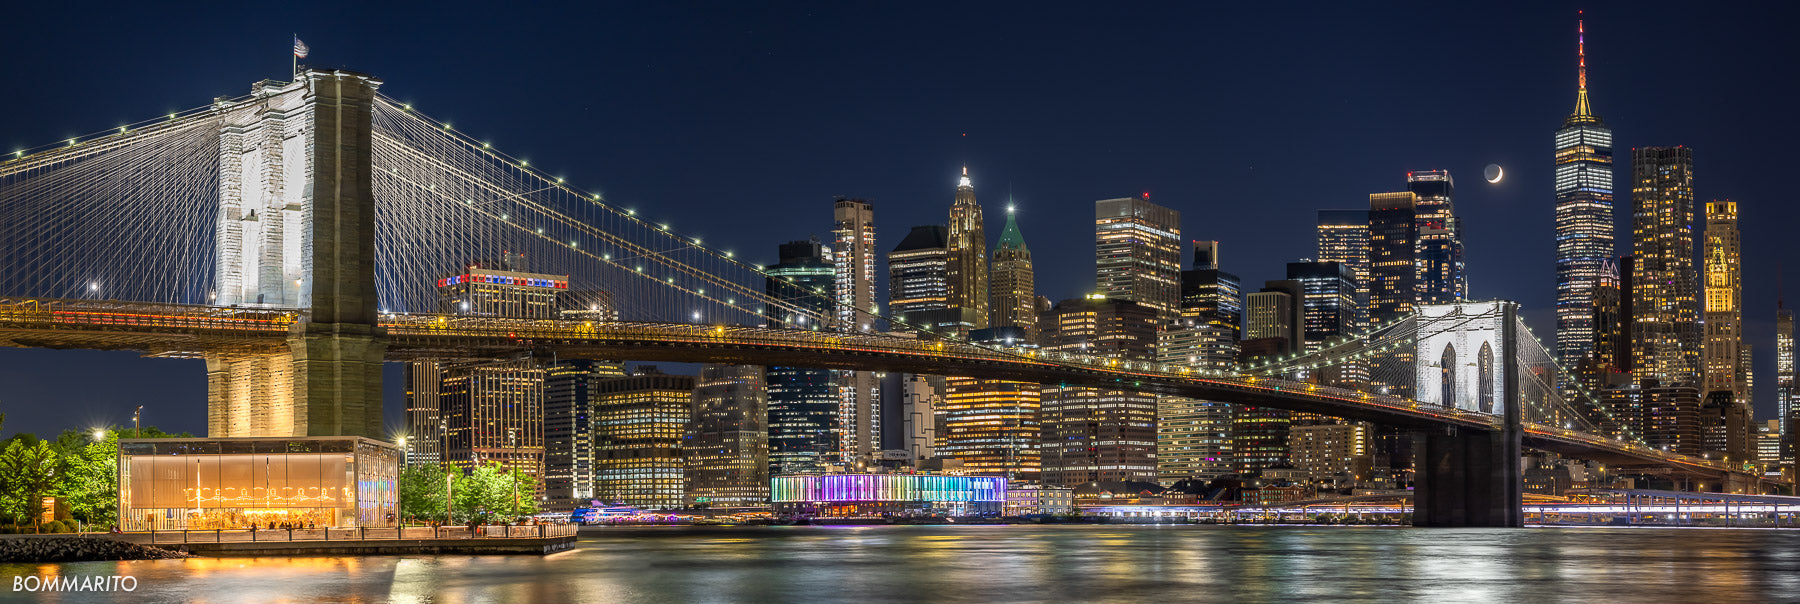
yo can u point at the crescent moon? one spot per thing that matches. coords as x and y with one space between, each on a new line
1499 173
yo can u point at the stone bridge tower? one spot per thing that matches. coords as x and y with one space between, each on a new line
296 229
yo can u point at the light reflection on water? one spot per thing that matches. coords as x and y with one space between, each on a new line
1012 563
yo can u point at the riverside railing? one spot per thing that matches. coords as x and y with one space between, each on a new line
415 533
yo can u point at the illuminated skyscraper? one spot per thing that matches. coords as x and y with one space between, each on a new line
1344 239
1665 305
1012 288
1440 247
803 402
968 274
1212 296
859 396
639 425
1393 270
726 450
1584 217
991 426
919 283
1138 253
1091 434
1726 421
1193 436
569 388
1724 294
1787 399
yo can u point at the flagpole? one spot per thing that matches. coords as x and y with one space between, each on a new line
294 72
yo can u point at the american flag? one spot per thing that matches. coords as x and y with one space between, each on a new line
299 48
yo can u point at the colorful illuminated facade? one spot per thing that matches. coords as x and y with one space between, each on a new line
1584 217
968 270
1138 253
236 483
872 495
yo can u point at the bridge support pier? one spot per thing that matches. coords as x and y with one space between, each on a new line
1468 478
328 382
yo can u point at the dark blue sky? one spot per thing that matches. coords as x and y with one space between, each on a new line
739 123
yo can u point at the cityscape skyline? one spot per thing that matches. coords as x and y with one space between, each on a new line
1254 256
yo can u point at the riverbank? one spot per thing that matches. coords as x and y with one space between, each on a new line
61 548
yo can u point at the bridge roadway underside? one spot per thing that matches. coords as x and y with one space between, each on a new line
183 335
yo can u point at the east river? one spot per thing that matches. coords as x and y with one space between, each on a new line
1077 563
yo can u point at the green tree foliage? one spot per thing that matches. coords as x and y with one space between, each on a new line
484 494
90 479
28 472
422 492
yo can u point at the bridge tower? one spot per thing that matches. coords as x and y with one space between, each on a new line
296 228
1468 358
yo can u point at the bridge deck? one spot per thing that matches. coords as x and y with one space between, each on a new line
187 330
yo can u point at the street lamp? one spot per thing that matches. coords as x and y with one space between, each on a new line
444 455
135 433
512 443
99 433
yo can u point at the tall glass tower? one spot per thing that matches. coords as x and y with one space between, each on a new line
1584 217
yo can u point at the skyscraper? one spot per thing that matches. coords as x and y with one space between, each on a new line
968 274
991 426
1210 295
488 411
1344 239
1270 314
919 283
1012 285
569 388
726 449
1193 436
1665 305
1724 294
803 402
859 397
1787 404
639 424
1725 379
1091 434
1584 216
1393 271
1137 248
1440 247
1328 310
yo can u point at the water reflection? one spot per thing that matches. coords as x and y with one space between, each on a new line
1014 564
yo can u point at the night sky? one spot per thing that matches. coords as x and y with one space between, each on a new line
740 123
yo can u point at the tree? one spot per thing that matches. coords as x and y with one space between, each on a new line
27 473
422 492
90 480
487 493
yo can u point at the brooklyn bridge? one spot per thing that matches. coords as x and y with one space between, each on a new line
293 239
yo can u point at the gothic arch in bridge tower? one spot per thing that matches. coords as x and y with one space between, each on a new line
1447 375
1457 356
1484 362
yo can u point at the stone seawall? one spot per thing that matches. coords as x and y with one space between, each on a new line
31 548
381 547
